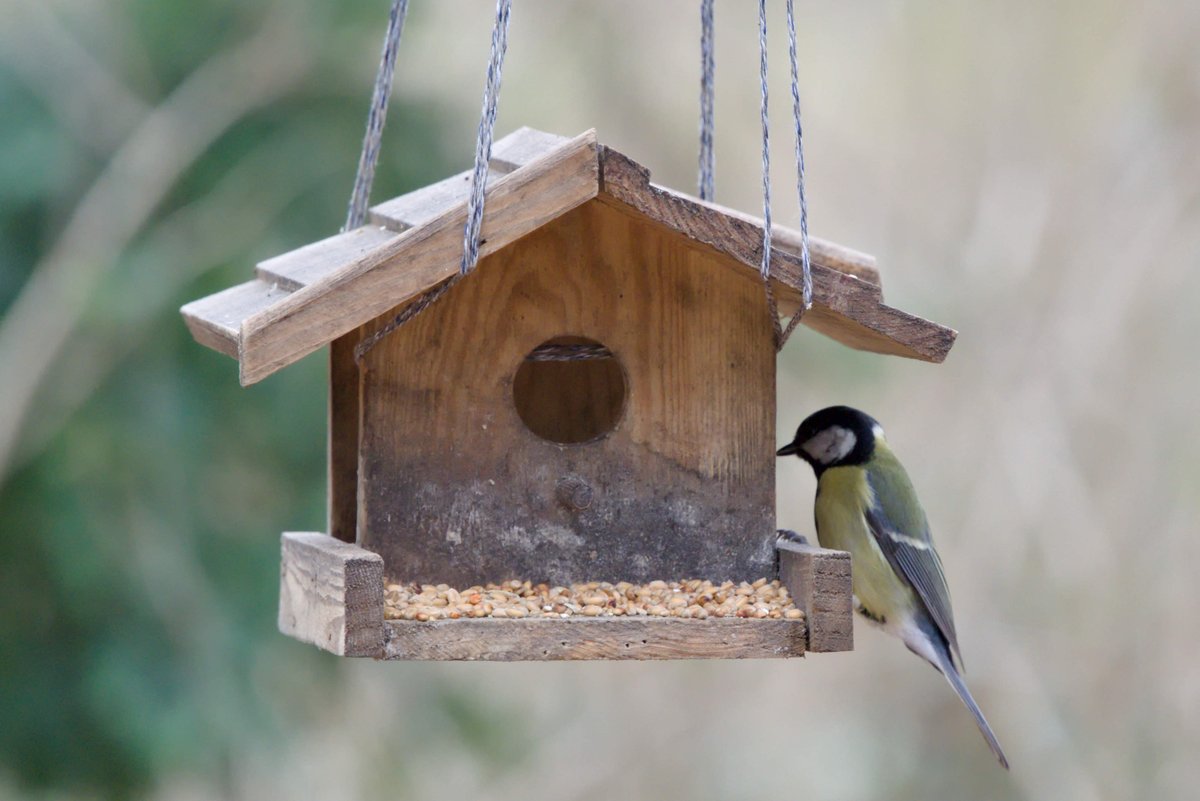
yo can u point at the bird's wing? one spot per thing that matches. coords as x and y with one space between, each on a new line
902 532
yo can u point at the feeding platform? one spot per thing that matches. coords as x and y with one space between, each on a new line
594 402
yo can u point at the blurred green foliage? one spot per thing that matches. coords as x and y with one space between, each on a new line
138 564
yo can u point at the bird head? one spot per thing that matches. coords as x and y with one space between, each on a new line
832 437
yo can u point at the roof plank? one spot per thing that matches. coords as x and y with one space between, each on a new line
301 267
215 321
417 259
845 307
305 298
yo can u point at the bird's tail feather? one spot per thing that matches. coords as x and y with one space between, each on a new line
960 687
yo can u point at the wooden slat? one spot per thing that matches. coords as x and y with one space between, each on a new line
331 594
845 308
303 266
593 638
820 583
830 254
215 321
422 205
306 265
512 152
523 146
518 203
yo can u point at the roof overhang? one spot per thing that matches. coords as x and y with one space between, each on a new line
302 300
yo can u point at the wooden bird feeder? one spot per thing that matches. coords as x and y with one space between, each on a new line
456 458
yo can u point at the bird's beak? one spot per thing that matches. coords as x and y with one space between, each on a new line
787 450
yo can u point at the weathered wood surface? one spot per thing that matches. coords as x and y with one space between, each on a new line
829 254
301 267
593 638
312 295
455 488
216 321
845 308
342 434
518 203
331 594
820 583
523 146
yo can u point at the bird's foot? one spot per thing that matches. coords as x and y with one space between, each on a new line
787 535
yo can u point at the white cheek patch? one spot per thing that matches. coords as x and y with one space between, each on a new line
831 445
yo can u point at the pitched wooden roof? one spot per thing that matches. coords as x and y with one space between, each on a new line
304 299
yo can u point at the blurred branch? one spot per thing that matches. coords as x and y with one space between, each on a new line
226 221
158 151
84 94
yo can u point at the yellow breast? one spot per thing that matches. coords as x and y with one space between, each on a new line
843 496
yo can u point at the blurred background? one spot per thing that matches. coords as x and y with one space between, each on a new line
1028 173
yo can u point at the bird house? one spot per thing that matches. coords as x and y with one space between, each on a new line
595 402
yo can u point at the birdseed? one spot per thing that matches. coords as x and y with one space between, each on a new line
693 599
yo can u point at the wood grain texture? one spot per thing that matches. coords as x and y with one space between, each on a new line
523 146
331 594
455 488
520 148
593 638
344 414
310 296
845 308
216 321
517 203
819 581
301 267
829 254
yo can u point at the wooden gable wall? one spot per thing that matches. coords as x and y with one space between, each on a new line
452 485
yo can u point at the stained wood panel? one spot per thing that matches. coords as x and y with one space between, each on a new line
593 638
456 489
343 438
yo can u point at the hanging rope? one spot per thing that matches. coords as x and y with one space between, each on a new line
475 203
783 333
361 194
765 265
483 143
707 71
806 288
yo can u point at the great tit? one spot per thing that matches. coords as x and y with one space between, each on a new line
866 505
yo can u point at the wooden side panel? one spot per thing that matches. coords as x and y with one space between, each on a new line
331 594
344 414
820 584
455 488
592 638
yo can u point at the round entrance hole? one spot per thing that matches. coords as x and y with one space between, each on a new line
570 390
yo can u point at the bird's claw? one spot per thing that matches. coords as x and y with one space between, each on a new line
787 535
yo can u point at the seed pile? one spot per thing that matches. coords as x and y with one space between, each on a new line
694 599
